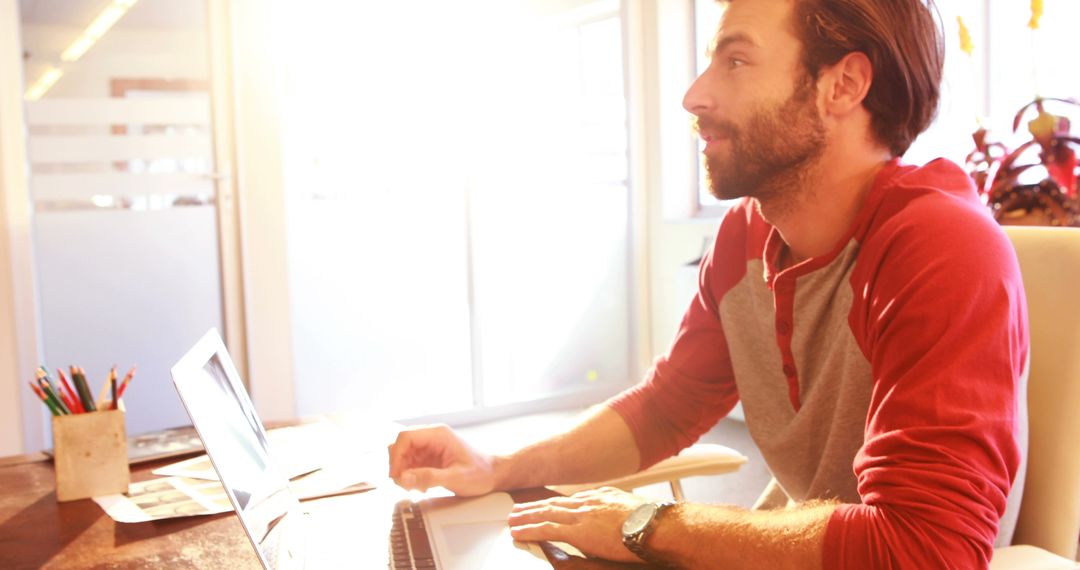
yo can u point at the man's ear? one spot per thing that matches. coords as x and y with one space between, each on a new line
848 83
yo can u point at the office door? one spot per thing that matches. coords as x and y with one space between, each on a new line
129 194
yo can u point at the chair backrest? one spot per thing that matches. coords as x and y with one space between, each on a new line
1050 509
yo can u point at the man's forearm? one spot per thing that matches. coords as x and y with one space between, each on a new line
711 536
600 447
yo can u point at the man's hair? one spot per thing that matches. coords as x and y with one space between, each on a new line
902 39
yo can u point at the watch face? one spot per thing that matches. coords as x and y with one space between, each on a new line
639 518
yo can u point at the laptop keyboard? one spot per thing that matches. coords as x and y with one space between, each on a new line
409 545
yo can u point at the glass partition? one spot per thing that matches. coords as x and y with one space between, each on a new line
122 184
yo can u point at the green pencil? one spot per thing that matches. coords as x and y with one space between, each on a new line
84 391
50 390
41 395
56 401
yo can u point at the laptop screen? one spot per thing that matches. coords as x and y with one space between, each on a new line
233 435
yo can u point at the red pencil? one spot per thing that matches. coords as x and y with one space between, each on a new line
37 390
75 405
68 395
123 385
67 401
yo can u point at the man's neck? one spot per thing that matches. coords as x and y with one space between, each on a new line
814 216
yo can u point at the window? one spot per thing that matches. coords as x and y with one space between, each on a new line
1022 64
457 204
962 90
1010 66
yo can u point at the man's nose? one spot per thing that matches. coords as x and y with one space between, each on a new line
698 99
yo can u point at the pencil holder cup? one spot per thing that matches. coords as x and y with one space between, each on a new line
90 455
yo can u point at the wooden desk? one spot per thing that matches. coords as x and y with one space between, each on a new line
36 531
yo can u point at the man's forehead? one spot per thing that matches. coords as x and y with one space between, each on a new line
755 23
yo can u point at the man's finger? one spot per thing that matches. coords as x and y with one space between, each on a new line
392 463
397 452
541 531
424 478
411 446
550 513
570 502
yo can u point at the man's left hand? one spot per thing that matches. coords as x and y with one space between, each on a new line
591 521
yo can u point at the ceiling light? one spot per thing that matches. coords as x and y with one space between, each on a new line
44 83
98 28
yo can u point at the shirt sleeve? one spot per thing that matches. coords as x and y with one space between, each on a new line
944 323
692 386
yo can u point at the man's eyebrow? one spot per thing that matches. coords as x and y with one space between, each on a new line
727 40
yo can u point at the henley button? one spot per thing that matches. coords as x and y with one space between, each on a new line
783 327
789 370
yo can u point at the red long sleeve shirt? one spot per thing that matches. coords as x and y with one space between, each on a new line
885 374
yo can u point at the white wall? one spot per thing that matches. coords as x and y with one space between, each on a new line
18 335
673 244
261 196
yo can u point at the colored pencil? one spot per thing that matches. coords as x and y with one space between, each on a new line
42 372
70 392
60 403
57 389
66 400
101 394
41 395
49 386
84 391
64 410
127 379
100 401
112 384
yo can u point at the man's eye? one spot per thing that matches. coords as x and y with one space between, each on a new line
735 63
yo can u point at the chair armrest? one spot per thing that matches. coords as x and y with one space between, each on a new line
1027 557
699 459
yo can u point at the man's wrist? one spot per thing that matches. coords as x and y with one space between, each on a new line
501 473
640 526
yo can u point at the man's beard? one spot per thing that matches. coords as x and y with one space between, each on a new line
771 151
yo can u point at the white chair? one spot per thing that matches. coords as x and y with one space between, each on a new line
1048 527
697 460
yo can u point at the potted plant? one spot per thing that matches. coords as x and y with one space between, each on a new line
1038 182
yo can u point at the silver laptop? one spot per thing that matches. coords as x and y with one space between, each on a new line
449 534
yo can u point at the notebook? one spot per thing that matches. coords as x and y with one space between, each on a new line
446 533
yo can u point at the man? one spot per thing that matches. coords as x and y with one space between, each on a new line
869 316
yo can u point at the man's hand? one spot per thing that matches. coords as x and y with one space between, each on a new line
435 456
591 521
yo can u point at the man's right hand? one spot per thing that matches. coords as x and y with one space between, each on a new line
435 456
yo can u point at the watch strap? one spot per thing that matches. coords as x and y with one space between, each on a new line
636 542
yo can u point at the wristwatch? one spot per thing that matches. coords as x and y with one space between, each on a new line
638 526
